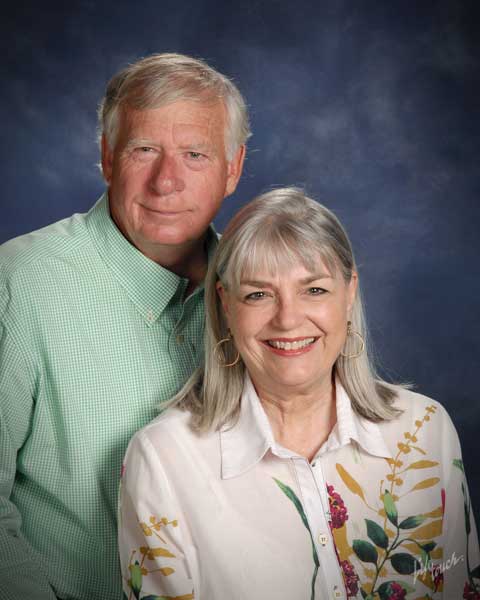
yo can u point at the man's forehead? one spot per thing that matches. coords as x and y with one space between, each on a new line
180 113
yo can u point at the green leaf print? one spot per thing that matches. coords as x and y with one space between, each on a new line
476 572
458 462
376 534
293 497
404 563
298 505
365 551
136 579
390 508
428 547
412 522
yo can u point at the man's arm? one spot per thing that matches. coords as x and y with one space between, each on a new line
21 577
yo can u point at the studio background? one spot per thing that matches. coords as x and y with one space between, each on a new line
373 107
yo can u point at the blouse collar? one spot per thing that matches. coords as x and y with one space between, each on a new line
245 443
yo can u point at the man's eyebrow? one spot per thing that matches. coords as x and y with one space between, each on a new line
140 142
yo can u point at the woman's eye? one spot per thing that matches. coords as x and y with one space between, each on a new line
255 296
316 291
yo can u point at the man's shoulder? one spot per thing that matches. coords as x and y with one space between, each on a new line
55 239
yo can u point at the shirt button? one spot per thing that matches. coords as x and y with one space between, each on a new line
180 339
149 316
323 538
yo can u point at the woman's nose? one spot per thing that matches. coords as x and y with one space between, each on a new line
288 314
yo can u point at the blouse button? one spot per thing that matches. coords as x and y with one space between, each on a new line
323 538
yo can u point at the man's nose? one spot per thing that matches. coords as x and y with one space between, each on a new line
288 314
165 177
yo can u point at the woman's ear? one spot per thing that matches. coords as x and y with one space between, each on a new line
352 291
223 295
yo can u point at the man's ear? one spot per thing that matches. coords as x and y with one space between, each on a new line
235 167
107 160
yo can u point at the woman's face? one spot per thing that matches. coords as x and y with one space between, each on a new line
290 328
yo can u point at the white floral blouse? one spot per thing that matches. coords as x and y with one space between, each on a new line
382 512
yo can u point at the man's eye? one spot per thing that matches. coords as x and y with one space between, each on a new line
316 291
146 149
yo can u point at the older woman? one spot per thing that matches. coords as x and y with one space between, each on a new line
287 469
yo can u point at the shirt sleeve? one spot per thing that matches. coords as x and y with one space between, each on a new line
21 575
156 559
459 569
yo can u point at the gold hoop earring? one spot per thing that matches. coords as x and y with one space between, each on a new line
220 357
351 332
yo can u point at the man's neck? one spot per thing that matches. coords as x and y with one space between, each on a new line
189 262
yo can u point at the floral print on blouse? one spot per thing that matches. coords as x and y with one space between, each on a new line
381 513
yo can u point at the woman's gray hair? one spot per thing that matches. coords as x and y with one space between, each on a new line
278 230
161 79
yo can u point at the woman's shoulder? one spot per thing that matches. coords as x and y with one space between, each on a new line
168 426
169 433
420 417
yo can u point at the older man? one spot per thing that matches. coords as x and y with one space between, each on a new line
101 318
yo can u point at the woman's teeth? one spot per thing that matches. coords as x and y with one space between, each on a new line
291 345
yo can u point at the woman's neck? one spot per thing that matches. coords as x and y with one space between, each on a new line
301 422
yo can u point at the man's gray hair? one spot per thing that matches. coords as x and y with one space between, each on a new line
276 231
161 79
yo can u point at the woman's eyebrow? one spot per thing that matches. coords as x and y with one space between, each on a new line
304 281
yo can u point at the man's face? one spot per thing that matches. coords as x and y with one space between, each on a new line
168 174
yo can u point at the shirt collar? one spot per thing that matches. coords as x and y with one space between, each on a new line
149 285
245 443
351 426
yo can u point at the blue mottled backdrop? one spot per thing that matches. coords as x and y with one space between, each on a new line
374 107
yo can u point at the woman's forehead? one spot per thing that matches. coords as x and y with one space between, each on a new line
273 267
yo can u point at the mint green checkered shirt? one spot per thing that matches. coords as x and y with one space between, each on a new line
94 336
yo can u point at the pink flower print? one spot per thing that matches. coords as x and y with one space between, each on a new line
470 593
338 510
437 579
396 592
350 578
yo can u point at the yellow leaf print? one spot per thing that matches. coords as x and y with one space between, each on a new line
184 597
350 482
413 548
438 512
152 552
343 547
426 483
423 464
167 571
430 531
437 553
146 529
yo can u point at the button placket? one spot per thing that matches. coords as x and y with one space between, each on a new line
314 492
